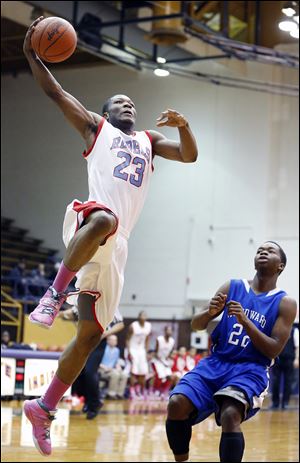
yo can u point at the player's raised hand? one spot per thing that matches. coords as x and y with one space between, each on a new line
235 308
171 118
217 304
27 47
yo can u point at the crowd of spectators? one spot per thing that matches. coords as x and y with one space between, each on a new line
30 284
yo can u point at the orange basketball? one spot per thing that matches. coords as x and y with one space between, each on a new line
54 39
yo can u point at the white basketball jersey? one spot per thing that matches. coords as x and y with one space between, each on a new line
139 335
164 347
119 171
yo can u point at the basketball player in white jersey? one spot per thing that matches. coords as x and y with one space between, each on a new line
162 362
137 343
119 161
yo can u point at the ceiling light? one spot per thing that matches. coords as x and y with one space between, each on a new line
161 72
161 60
289 9
295 33
287 25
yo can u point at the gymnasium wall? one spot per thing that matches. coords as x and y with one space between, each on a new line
202 222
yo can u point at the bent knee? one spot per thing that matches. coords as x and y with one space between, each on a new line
102 223
179 407
230 416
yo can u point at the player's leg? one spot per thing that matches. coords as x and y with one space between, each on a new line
95 229
92 234
132 383
143 371
276 377
134 374
40 412
157 384
165 387
179 426
114 379
91 379
140 384
232 443
288 373
123 379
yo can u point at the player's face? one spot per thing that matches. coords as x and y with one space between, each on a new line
268 257
143 316
122 110
168 331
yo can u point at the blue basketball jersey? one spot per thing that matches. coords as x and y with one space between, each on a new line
230 341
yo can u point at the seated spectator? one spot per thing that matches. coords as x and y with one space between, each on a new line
111 368
192 358
54 270
5 339
18 278
7 343
38 281
179 367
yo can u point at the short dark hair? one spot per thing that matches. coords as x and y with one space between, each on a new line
283 257
105 108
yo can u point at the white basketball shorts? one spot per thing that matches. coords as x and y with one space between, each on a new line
162 369
139 363
103 275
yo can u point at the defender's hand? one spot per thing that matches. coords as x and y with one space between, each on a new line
235 308
217 304
27 47
171 118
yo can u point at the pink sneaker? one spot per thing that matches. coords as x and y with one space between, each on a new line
40 418
44 314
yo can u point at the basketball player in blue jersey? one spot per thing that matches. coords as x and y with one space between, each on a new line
256 321
119 161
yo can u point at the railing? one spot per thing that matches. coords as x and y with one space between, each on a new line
7 317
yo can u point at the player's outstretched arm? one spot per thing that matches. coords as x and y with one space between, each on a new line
215 307
185 150
83 120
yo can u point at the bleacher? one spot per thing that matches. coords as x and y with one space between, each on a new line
18 245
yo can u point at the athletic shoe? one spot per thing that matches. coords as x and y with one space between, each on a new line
40 418
92 413
44 314
84 408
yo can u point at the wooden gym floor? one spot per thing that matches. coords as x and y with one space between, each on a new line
134 432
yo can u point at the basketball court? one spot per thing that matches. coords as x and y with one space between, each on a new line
130 431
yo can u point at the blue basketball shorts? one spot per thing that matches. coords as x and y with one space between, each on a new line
213 378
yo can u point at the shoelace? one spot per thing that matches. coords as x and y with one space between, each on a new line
49 301
54 295
48 311
47 427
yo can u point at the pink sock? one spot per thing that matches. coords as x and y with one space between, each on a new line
54 393
63 278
